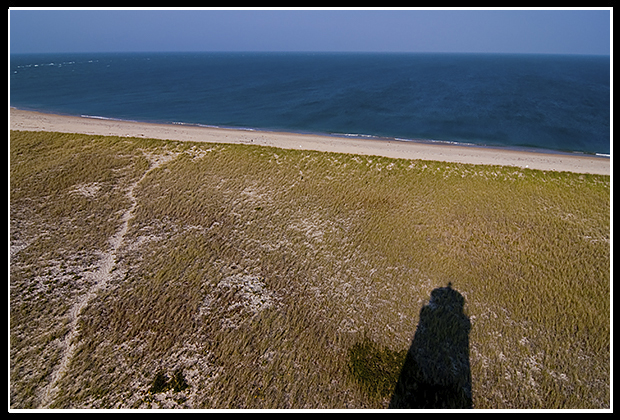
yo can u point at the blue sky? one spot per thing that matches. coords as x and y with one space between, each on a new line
479 31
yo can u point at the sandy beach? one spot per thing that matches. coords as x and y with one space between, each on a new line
36 121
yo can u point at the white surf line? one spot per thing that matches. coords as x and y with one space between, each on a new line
101 278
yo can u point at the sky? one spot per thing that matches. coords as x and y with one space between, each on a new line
462 31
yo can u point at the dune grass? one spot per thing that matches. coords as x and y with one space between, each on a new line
255 277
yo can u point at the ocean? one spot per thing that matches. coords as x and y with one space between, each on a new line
545 102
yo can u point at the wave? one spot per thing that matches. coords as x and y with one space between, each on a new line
418 140
354 135
99 117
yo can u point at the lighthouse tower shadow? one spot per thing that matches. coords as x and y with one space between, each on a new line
436 372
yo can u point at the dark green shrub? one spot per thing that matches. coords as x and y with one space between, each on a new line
161 383
375 369
178 381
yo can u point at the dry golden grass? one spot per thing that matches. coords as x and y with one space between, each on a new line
258 277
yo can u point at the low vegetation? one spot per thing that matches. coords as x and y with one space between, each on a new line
160 274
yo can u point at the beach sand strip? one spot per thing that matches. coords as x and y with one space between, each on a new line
36 121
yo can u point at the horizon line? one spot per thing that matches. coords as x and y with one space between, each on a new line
307 52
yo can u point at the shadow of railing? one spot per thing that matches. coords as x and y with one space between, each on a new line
436 372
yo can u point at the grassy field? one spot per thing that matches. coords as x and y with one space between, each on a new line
160 274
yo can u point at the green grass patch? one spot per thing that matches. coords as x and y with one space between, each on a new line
375 369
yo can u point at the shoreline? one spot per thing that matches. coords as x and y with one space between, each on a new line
393 148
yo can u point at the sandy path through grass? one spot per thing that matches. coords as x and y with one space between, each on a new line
100 279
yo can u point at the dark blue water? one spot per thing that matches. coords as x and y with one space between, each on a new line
541 101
